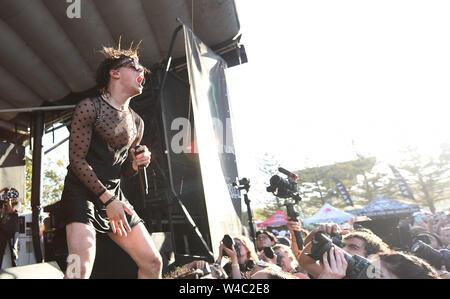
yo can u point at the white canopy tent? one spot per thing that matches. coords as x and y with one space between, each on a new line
329 213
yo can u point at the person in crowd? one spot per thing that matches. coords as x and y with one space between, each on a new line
388 265
288 262
400 265
261 265
9 225
415 230
265 238
361 242
271 273
198 270
242 257
431 239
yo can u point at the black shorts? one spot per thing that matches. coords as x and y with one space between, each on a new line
78 204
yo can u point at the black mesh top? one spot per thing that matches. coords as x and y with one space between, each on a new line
100 139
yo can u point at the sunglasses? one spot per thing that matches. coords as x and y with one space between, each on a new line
131 63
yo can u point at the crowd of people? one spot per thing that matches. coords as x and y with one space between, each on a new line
332 251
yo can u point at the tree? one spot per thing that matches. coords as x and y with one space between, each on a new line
318 185
428 176
52 184
28 172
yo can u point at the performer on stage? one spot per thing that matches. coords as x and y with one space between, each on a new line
103 135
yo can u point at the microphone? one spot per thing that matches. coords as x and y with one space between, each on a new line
291 175
142 173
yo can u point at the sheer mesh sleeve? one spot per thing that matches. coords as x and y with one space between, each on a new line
127 169
79 142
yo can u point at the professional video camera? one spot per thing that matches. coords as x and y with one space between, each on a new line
436 258
284 188
288 189
357 266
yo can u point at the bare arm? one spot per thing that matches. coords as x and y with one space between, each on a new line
235 269
294 226
309 264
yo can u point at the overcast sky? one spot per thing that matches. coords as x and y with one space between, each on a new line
325 79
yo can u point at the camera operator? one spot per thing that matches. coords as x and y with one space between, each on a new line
429 247
242 258
363 242
9 226
360 242
429 238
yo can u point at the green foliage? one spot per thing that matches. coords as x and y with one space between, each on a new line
28 172
264 213
318 186
427 177
52 184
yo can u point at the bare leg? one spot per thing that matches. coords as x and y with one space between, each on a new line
139 245
81 246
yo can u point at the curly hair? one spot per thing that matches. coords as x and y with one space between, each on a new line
373 243
113 58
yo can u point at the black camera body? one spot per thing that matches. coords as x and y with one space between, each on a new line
284 188
357 266
287 188
270 253
436 258
229 243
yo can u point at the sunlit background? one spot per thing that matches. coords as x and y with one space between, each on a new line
327 80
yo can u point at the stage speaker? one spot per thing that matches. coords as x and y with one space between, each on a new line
34 271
